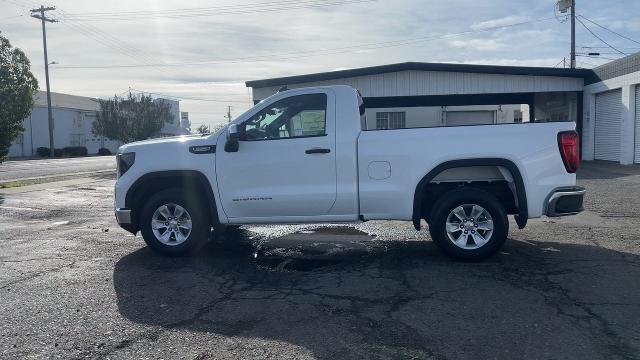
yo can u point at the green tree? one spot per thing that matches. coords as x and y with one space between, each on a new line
18 87
131 119
203 129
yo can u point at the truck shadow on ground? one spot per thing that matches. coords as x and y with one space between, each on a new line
605 170
394 300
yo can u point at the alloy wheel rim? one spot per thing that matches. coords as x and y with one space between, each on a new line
469 226
171 224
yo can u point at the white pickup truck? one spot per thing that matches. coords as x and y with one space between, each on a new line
305 156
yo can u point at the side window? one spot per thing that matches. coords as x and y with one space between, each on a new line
391 120
296 116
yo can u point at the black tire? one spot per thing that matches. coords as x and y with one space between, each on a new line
452 200
200 229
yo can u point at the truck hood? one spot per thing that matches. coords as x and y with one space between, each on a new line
175 142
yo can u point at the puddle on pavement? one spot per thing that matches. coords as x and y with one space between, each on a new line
307 248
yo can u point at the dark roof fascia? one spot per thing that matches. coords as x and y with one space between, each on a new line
443 67
620 67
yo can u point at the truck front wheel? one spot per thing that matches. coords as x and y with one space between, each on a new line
468 224
173 223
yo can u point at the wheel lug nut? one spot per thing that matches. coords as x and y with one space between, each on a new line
466 232
473 231
471 219
476 225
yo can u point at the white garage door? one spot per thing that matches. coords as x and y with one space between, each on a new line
637 156
608 122
457 118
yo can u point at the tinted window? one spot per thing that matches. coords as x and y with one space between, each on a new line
296 116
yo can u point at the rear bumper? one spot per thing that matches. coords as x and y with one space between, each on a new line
565 201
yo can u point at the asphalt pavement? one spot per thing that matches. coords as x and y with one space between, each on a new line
74 285
21 169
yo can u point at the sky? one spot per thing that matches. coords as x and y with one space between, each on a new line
202 52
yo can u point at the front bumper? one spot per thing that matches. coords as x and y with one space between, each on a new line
565 201
123 216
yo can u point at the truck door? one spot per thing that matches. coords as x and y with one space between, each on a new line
285 165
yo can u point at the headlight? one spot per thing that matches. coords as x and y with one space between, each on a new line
125 161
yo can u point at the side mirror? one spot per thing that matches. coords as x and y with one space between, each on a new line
233 139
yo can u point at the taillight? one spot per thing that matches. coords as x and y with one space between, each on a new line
569 144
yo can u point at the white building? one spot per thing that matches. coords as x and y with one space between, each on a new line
612 112
185 123
176 127
73 117
603 102
434 94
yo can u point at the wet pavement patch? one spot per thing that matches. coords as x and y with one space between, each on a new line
311 249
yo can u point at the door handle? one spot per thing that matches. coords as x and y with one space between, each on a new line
317 151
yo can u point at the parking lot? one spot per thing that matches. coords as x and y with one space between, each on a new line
74 285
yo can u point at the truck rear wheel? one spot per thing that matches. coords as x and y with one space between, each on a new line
468 224
173 223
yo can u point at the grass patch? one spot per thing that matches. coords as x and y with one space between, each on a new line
109 174
14 184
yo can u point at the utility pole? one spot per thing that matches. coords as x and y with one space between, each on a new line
573 34
40 14
228 113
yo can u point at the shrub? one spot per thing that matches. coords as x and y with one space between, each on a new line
43 151
57 152
104 151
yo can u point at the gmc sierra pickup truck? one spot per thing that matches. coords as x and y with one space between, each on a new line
305 156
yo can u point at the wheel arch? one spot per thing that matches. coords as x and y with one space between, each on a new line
419 194
150 183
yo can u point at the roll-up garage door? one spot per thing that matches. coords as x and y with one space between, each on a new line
637 149
458 118
608 122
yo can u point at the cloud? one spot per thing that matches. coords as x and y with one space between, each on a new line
478 44
297 32
507 20
632 24
543 62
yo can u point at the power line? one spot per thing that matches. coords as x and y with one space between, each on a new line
133 51
12 17
200 9
190 98
18 3
560 62
597 57
108 41
215 11
598 37
606 47
310 53
601 53
92 32
588 63
609 30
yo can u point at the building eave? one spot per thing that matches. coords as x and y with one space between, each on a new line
419 66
